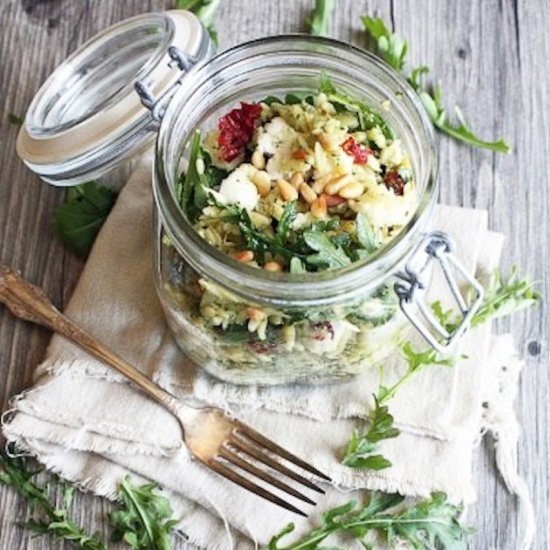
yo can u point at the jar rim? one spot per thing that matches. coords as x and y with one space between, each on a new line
328 286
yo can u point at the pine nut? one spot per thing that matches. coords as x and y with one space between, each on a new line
296 180
287 191
258 160
254 314
338 183
319 208
307 192
319 185
262 181
352 190
244 256
273 266
326 142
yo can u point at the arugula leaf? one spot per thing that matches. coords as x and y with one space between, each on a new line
15 119
504 297
79 219
270 99
257 242
426 524
362 445
393 49
201 175
327 253
326 85
144 521
205 10
366 235
297 266
445 316
295 98
285 223
438 114
367 117
318 22
18 474
324 226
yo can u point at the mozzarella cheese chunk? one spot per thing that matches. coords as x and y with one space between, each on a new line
278 140
276 135
237 188
384 209
334 340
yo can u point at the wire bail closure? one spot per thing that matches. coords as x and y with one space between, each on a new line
157 105
412 286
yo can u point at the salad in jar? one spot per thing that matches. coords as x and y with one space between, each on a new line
298 184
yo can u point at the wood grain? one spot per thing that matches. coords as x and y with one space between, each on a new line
492 58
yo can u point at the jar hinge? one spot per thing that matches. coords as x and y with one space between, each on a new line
413 283
157 105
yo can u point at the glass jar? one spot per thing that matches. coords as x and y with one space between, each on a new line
315 327
87 122
241 324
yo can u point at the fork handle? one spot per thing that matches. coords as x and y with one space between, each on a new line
29 302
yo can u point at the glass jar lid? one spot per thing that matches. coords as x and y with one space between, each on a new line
87 117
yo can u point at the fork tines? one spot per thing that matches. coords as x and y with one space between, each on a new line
245 444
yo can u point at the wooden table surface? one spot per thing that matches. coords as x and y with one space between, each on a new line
493 59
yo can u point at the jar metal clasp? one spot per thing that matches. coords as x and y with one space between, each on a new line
413 283
157 105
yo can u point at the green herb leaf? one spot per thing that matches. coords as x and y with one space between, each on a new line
437 113
419 359
297 266
504 297
144 520
257 242
367 117
318 22
79 219
205 10
18 474
285 223
192 190
363 444
427 524
446 317
15 119
326 85
366 235
392 48
270 100
327 253
296 98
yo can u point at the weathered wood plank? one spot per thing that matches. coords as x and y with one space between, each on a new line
492 58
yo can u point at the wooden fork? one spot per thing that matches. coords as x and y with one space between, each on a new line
223 444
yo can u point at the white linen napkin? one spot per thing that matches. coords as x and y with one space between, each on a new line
87 424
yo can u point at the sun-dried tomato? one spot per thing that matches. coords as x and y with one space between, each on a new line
359 153
333 200
236 129
263 347
299 154
322 330
395 182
